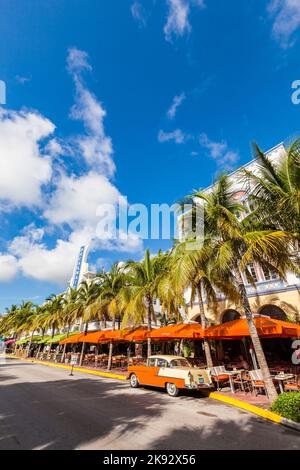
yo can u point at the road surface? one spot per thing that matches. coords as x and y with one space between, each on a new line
44 408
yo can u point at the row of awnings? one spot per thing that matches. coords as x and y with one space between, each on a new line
236 329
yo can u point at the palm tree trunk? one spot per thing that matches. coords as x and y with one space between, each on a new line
38 352
270 387
206 344
83 344
110 351
30 342
65 345
110 354
149 322
52 336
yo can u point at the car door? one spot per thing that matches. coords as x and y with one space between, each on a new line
146 373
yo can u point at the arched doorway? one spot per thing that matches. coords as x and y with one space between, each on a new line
274 312
197 319
230 315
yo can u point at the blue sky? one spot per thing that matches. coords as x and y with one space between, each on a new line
138 98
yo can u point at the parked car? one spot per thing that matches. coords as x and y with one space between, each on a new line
173 373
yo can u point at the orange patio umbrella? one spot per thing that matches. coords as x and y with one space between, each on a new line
111 335
266 327
92 337
140 334
72 339
178 331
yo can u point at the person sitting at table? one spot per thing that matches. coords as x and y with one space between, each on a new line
243 364
227 361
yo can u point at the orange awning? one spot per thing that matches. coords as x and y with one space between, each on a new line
71 339
266 327
140 334
178 331
111 335
92 337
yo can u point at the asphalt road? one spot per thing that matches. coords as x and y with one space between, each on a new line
44 408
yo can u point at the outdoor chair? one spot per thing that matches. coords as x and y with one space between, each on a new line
257 381
219 374
293 385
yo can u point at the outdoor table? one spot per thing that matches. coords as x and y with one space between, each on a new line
280 378
231 375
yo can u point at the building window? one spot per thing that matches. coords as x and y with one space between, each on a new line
252 271
269 274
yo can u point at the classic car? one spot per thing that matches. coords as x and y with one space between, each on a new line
172 373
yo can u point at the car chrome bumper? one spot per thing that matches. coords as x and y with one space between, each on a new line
198 386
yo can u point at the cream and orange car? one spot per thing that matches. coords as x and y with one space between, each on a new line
170 372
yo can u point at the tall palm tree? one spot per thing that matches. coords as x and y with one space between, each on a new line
138 295
70 313
194 269
111 284
275 188
51 316
8 320
86 307
108 304
24 317
239 240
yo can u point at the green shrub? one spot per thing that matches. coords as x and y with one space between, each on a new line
288 405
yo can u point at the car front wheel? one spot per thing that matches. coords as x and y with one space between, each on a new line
134 383
172 390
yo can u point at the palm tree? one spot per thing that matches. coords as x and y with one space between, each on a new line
108 304
275 189
194 269
87 308
70 313
51 315
24 317
8 321
138 295
237 241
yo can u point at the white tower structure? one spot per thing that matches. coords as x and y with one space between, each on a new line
81 267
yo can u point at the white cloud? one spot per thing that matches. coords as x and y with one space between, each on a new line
70 201
21 79
177 101
8 267
177 136
138 13
95 145
23 168
178 17
77 61
76 199
39 262
30 255
219 151
286 15
54 148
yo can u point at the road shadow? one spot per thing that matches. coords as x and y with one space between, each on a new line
229 435
65 414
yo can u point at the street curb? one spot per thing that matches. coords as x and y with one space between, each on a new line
290 424
77 369
269 415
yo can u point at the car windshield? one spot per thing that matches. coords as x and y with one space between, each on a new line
181 362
